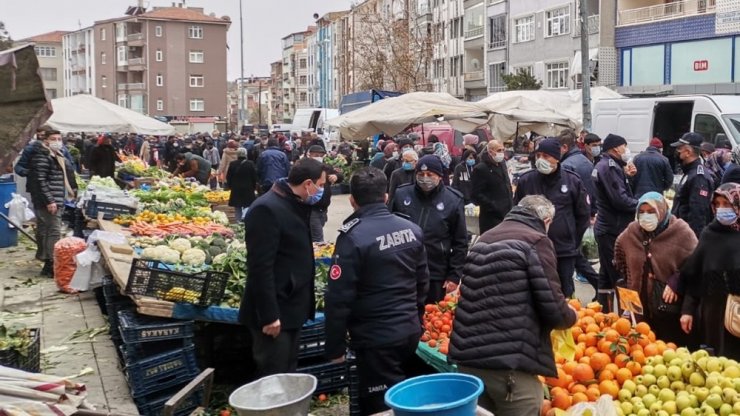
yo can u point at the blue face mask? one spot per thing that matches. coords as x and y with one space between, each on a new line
407 166
470 162
726 216
315 198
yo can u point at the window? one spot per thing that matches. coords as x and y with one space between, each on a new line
102 34
102 58
51 93
48 74
495 77
303 63
196 80
497 32
104 82
159 55
302 80
709 127
526 69
121 56
195 32
196 57
303 98
160 105
158 31
123 101
557 21
46 51
160 80
120 32
524 29
557 75
197 104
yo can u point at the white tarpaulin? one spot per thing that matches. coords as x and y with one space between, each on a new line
85 113
393 115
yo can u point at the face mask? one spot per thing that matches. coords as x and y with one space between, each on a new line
408 166
543 166
726 216
55 145
315 198
626 155
426 183
595 151
470 162
498 158
648 222
319 159
395 154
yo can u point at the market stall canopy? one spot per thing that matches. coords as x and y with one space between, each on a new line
81 113
393 115
23 104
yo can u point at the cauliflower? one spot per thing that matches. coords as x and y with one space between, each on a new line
219 258
161 253
220 217
180 244
194 257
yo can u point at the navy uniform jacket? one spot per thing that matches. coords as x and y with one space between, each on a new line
377 283
577 162
441 216
693 202
565 190
654 173
614 199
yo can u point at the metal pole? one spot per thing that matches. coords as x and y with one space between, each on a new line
259 102
585 67
242 108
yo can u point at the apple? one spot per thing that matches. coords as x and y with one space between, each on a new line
643 412
648 369
736 407
649 380
676 361
657 359
711 381
696 354
702 363
687 369
629 385
688 412
649 399
729 395
626 406
715 390
624 395
662 413
713 364
725 409
678 387
658 370
714 400
731 371
701 393
707 410
696 379
674 373
726 383
655 408
619 412
663 382
669 354
693 400
667 395
670 407
641 390
683 401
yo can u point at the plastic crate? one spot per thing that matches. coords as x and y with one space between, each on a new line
161 371
137 328
31 362
311 340
152 405
153 278
131 353
110 290
331 377
112 309
354 390
109 209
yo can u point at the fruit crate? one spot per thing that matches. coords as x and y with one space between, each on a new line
110 290
136 328
162 371
152 405
154 278
330 377
311 340
110 210
133 352
112 308
31 361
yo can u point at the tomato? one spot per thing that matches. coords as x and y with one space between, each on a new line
322 398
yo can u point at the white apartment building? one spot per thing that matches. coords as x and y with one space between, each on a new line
48 47
448 46
78 52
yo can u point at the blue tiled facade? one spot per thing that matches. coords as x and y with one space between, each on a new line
674 30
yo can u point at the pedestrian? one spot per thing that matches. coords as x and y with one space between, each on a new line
732 170
491 187
378 159
654 173
648 255
510 301
145 152
470 142
376 291
228 155
592 149
439 211
51 182
405 174
395 162
279 294
693 201
103 159
712 272
616 207
211 154
190 165
272 164
23 167
564 189
345 149
716 162
320 209
390 152
241 179
171 149
461 176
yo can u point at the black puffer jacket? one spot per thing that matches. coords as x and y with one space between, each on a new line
46 179
510 300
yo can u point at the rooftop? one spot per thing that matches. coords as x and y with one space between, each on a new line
50 37
185 14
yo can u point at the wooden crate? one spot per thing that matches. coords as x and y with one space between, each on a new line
229 211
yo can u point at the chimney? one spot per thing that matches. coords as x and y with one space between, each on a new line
173 4
179 5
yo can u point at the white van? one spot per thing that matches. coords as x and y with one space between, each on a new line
716 117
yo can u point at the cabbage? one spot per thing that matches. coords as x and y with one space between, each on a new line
194 257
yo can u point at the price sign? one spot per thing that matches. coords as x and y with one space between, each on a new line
630 300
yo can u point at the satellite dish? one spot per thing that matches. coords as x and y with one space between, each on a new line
315 16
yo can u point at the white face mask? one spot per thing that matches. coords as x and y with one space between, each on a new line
319 159
647 221
499 157
626 155
55 145
395 154
543 166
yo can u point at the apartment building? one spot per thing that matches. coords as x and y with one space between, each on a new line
295 73
448 51
496 42
473 30
680 47
78 54
323 64
48 48
169 62
276 92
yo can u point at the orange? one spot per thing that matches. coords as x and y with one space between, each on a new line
579 352
609 387
580 397
590 312
593 393
560 381
611 367
642 328
575 303
605 347
623 374
569 366
634 367
591 339
576 331
596 306
622 326
599 360
606 375
651 336
599 317
546 406
585 360
590 351
576 388
671 346
559 358
638 356
554 391
636 347
611 335
592 327
583 372
588 320
650 350
562 401
621 360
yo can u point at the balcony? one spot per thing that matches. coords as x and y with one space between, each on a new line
594 25
137 64
132 86
474 76
665 11
473 32
135 39
498 88
497 44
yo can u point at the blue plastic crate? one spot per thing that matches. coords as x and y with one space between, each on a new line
152 405
113 308
311 340
331 377
133 352
162 371
137 328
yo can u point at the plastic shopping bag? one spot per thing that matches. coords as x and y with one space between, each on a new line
603 407
563 343
18 210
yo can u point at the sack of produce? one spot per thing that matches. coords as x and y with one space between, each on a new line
65 265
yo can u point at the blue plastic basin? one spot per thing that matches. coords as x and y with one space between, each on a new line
444 394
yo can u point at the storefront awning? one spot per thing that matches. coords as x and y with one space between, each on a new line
575 65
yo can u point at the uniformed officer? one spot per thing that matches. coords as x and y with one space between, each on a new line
693 202
439 211
616 207
376 290
572 208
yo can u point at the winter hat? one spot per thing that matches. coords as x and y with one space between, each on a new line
470 140
656 142
549 146
317 149
430 163
707 147
612 141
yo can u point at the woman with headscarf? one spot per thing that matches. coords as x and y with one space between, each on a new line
440 149
648 255
712 272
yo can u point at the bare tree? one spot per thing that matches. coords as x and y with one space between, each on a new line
5 41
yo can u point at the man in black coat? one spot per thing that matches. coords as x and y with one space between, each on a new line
279 296
654 173
241 179
376 291
693 202
440 212
492 187
320 209
565 190
103 159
